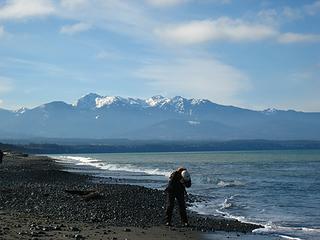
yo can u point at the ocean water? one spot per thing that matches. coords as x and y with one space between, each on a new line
278 189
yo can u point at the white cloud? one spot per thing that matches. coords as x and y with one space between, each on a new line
312 9
224 1
292 13
2 32
46 69
233 30
269 16
165 3
75 28
222 29
5 84
109 55
20 9
74 4
197 77
297 37
128 17
170 3
279 16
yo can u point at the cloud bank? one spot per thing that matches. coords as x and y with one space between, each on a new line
2 32
222 29
197 77
20 9
75 28
313 9
165 3
131 18
296 38
5 84
227 29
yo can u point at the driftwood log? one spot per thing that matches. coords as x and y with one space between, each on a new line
86 195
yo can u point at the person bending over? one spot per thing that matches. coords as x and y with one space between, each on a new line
176 189
1 156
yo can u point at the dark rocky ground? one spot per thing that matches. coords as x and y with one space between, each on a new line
38 187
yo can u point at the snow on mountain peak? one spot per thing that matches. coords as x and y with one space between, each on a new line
21 110
109 100
270 111
102 101
193 122
177 103
88 101
195 101
157 101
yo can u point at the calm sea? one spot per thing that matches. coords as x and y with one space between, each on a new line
279 189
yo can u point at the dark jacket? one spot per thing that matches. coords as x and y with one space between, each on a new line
175 185
1 156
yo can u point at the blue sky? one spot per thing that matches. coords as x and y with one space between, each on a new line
248 53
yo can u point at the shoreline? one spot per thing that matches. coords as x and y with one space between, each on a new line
36 187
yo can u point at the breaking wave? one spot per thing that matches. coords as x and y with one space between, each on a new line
292 233
216 182
227 203
87 161
232 183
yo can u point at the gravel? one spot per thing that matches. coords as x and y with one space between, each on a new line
38 186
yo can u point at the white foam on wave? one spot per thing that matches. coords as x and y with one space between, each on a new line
87 161
227 203
218 209
291 238
316 230
200 208
232 183
292 233
239 218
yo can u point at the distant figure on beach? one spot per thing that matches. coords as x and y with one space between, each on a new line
176 189
1 156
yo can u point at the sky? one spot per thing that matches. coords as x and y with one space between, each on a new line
247 53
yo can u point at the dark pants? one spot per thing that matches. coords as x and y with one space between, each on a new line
171 196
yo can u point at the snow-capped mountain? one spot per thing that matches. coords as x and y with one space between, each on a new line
158 117
177 103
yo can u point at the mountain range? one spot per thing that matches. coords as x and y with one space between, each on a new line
102 117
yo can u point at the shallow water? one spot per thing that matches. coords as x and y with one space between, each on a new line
279 189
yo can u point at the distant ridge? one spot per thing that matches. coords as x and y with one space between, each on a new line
76 146
99 117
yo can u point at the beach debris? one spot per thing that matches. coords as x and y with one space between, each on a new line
78 236
92 196
75 229
86 194
57 228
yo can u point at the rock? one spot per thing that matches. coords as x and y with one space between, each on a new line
78 236
57 228
75 229
92 196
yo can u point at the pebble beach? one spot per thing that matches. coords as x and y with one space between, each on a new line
39 200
